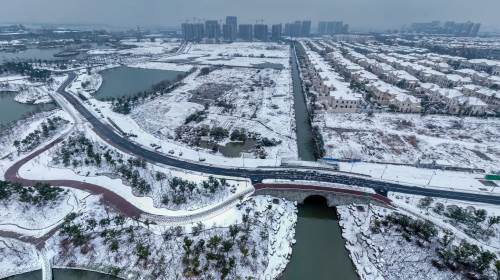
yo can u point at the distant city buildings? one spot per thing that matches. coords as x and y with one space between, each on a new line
298 29
245 32
260 32
230 28
276 32
468 28
332 28
212 29
193 31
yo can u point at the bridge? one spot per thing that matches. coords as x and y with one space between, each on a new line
334 195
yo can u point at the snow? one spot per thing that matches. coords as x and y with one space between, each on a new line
26 219
277 219
146 47
41 168
386 255
16 257
31 92
404 138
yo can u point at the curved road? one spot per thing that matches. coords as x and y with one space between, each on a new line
258 174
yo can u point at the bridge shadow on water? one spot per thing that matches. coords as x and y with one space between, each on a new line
319 252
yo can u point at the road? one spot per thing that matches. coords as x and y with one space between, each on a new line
108 134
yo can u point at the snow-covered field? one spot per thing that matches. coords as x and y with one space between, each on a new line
405 138
261 103
235 54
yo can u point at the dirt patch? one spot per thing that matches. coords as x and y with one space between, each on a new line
208 93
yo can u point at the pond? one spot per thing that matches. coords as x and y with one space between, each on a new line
11 110
128 81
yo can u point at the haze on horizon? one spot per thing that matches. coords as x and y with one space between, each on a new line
359 14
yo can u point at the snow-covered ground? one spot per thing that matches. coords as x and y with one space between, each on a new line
44 168
405 138
261 99
437 210
31 92
146 47
270 224
385 255
234 54
17 257
8 152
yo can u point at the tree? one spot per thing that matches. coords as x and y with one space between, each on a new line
493 221
233 231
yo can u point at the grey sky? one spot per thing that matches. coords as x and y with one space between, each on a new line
366 14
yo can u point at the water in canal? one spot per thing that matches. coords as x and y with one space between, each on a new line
127 81
320 249
305 141
64 274
11 110
319 252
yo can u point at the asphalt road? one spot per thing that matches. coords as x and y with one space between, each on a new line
258 174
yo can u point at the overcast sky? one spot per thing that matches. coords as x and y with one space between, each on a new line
366 14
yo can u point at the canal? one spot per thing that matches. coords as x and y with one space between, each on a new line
319 252
305 142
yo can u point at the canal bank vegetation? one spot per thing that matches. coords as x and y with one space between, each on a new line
254 241
382 241
167 189
125 104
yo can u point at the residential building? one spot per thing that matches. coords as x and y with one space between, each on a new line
276 32
245 32
212 29
230 28
260 32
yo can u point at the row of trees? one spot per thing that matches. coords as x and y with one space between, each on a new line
81 151
125 104
464 256
26 69
181 191
40 194
33 139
